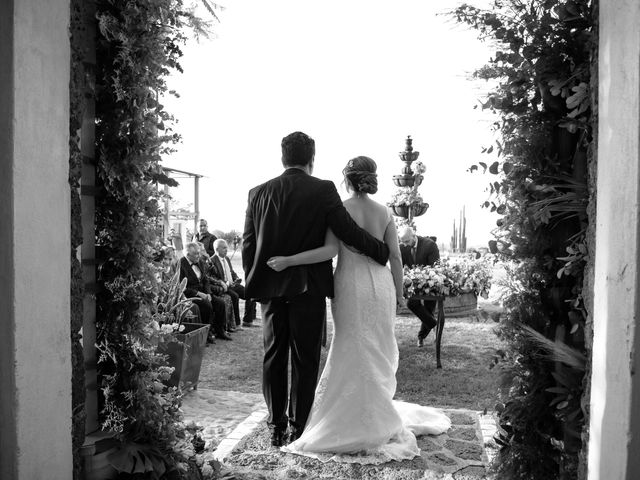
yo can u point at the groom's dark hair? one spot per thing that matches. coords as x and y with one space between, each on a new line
297 149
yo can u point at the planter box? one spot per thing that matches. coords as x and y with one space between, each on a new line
185 355
95 452
461 306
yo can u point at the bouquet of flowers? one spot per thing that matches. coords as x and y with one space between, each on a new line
450 277
424 280
419 168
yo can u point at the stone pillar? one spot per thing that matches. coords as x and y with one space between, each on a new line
614 430
35 350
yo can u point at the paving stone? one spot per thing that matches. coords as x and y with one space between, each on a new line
293 473
468 434
441 459
256 461
247 476
465 450
459 418
219 412
260 440
428 445
472 472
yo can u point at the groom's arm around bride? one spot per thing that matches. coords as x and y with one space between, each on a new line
290 214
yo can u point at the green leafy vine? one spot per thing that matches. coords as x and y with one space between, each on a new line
539 166
138 44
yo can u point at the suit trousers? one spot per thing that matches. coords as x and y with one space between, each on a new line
236 304
213 313
425 311
249 305
291 324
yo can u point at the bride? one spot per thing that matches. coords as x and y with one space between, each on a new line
354 417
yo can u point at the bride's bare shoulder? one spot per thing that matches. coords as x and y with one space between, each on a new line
382 209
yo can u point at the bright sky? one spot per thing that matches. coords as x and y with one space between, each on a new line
356 75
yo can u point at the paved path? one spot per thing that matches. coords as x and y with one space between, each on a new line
234 426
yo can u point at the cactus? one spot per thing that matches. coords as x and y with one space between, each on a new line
459 236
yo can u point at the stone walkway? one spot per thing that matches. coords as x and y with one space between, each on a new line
234 426
221 413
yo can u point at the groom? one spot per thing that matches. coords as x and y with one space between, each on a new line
286 215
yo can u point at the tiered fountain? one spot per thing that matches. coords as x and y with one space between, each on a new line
406 202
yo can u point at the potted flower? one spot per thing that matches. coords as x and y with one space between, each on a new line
186 346
460 279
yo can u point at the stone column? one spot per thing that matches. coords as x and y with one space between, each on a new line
35 351
614 431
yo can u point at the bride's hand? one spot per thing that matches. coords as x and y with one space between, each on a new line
278 263
401 302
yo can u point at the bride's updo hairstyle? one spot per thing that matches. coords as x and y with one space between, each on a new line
360 175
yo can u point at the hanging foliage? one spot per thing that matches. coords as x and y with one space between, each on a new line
539 167
139 43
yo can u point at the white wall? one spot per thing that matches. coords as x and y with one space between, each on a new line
35 267
614 453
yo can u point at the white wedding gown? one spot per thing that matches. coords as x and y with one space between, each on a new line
354 418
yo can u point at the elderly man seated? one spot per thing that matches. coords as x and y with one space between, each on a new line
222 270
219 290
212 309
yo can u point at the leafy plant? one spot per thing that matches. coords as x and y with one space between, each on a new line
138 44
538 167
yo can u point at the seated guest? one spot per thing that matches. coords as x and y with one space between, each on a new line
212 309
205 237
218 290
169 263
222 269
417 250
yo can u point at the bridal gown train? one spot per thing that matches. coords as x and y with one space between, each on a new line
354 418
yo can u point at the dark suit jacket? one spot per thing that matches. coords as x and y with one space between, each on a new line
290 214
217 269
207 240
427 253
193 284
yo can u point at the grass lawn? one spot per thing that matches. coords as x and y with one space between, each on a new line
465 381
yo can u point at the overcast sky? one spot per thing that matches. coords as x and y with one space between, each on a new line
356 75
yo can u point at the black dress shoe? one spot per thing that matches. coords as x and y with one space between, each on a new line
224 336
420 342
277 438
210 340
293 435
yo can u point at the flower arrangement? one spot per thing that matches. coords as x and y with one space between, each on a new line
450 277
405 196
419 168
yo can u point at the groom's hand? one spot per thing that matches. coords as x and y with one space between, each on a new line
278 263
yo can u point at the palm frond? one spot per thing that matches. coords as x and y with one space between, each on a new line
556 351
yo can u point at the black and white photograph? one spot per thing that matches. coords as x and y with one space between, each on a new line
338 240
